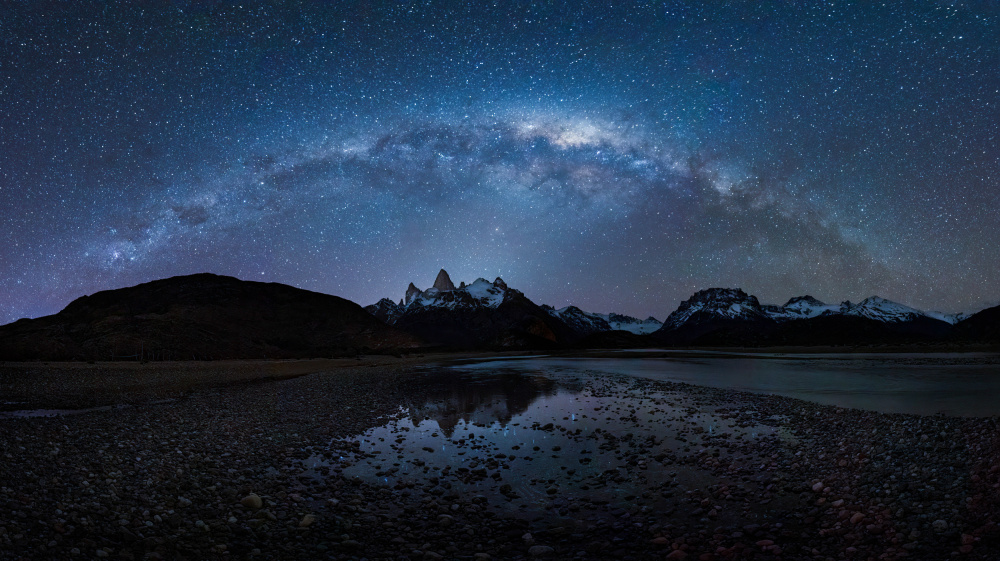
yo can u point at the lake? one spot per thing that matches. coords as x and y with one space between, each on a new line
963 384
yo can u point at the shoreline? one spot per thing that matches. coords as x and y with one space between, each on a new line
177 479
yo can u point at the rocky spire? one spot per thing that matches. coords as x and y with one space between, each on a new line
411 293
499 283
443 282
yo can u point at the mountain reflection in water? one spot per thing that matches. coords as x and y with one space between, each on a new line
543 443
449 397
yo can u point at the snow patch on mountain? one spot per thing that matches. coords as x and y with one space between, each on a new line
581 321
480 294
948 318
590 322
735 304
619 322
722 303
385 310
800 307
880 309
488 294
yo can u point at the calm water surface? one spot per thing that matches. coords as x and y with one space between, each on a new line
966 384
551 436
541 442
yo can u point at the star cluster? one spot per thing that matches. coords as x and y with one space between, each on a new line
613 156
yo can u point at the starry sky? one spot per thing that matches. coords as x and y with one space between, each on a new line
617 156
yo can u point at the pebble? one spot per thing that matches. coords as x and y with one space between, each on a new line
540 551
160 484
252 501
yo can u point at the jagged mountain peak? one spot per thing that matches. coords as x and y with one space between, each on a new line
476 314
722 295
580 321
719 303
803 300
878 308
589 322
386 310
411 293
443 282
481 293
621 322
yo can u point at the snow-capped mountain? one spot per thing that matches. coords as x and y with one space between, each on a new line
386 310
443 294
716 303
728 316
480 314
481 293
493 315
948 318
589 322
800 307
580 321
880 309
876 308
638 326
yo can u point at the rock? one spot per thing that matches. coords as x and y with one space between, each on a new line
817 487
659 541
540 551
307 521
443 282
252 501
939 525
677 554
183 502
857 517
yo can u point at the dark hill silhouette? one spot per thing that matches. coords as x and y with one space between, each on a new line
980 327
857 331
202 316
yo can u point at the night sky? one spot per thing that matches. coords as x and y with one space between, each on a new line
614 156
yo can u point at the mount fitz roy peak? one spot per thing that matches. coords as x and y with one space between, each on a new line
443 293
492 313
481 314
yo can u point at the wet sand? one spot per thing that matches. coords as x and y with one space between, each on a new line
202 464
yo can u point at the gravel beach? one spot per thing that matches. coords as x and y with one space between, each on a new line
260 460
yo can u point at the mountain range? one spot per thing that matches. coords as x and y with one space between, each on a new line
711 317
729 317
207 316
491 314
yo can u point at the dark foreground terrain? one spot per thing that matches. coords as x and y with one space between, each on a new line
258 461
